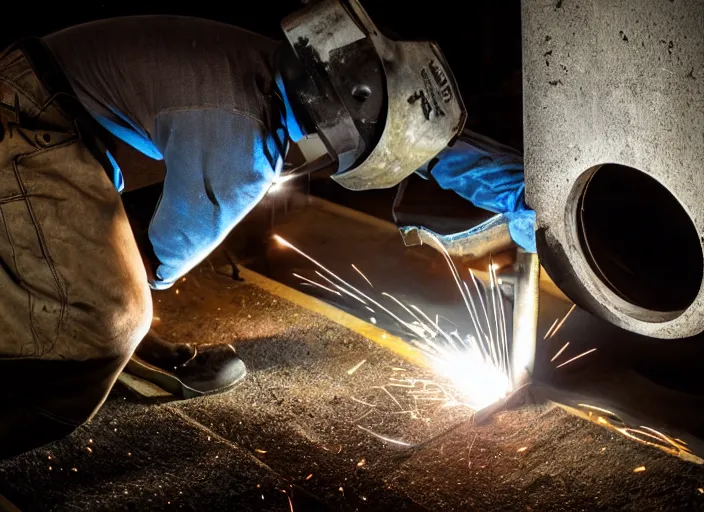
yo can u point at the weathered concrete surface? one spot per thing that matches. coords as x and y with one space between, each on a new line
612 82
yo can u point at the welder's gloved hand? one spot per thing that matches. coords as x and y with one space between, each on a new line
490 176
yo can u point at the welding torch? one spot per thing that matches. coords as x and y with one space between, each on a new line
492 237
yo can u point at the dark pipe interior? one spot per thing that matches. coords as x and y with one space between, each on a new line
639 240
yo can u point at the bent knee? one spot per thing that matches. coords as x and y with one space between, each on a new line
131 318
113 325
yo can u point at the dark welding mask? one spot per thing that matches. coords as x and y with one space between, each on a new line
382 108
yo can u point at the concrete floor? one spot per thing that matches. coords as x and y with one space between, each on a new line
293 426
289 437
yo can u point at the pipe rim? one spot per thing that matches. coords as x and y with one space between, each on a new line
649 322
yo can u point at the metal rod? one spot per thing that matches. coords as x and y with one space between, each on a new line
525 315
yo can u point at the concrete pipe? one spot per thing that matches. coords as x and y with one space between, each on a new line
614 154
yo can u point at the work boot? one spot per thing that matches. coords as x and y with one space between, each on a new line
186 369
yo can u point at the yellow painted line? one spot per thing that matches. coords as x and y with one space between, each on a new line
680 452
351 322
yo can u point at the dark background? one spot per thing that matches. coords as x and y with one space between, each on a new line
481 40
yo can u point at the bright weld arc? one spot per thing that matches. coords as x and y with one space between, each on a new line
479 372
491 370
278 182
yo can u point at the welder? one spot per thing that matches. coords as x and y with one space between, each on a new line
221 106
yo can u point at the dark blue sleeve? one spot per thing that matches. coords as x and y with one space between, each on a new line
219 164
490 176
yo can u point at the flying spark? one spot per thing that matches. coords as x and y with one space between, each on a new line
562 322
363 276
310 281
346 292
477 363
643 435
356 367
595 408
576 357
384 438
559 352
469 451
547 334
362 402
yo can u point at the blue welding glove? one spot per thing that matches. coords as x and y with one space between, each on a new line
490 176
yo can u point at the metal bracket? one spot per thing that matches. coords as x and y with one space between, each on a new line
526 305
491 236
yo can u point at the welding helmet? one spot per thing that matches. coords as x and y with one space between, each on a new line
382 108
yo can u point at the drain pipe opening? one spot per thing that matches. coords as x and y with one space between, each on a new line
639 240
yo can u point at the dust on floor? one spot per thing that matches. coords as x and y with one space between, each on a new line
290 436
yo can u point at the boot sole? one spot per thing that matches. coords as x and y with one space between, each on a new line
169 382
